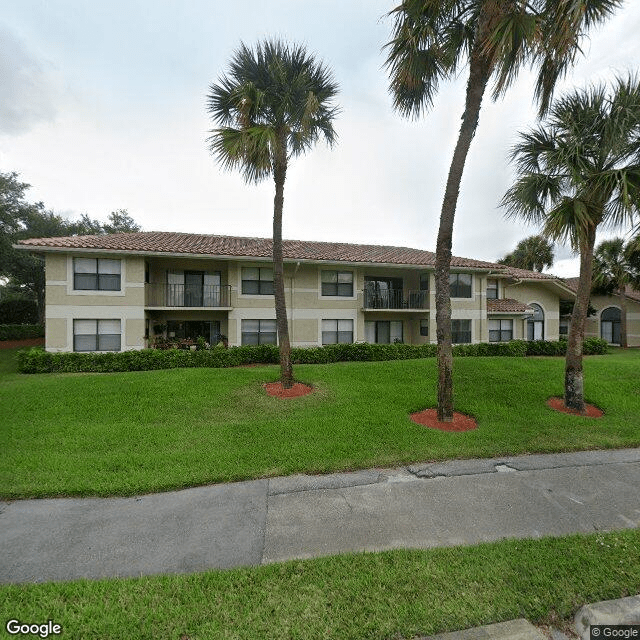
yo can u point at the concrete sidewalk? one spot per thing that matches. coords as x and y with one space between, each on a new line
252 523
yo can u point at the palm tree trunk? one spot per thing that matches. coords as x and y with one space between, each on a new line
279 176
573 376
623 319
478 77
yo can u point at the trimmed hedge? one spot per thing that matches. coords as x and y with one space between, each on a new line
39 361
21 331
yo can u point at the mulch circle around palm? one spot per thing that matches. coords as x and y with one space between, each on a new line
298 389
591 411
429 418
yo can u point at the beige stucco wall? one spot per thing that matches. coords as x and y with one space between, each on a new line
600 303
305 305
531 292
64 304
56 334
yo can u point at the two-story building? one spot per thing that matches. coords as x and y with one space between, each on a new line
122 291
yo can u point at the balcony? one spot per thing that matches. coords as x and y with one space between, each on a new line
394 299
187 295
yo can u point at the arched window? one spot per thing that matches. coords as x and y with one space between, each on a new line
535 323
610 325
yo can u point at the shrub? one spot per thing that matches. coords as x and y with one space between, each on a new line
21 331
40 361
18 312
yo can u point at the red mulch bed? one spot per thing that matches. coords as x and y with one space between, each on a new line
557 404
298 389
429 418
14 344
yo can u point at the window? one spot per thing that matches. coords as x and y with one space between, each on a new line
258 281
535 323
259 332
337 331
563 328
460 331
424 327
424 282
492 289
460 285
610 320
96 335
96 274
383 331
337 283
500 330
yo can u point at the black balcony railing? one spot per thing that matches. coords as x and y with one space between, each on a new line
187 295
395 299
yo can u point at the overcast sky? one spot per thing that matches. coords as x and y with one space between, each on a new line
102 107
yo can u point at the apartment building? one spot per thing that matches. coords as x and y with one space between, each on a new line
123 291
607 321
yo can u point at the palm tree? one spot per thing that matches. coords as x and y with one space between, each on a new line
274 104
432 40
616 266
578 170
533 253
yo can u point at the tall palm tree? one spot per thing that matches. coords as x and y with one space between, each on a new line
432 40
616 266
533 253
578 170
274 103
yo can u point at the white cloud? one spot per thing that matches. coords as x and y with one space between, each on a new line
29 91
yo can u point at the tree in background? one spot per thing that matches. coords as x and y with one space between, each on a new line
432 41
576 171
533 254
22 271
274 104
615 267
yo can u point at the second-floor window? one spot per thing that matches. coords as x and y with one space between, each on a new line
257 281
96 274
492 289
460 285
337 283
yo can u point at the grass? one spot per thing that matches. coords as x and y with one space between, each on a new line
394 594
138 432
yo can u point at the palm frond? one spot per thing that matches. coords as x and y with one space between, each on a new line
270 90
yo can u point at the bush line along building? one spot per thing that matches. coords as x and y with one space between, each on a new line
122 291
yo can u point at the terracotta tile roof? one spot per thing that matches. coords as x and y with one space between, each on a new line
506 305
631 293
197 244
523 274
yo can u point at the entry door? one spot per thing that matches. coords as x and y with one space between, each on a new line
193 281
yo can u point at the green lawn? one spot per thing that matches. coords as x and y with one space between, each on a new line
128 433
394 594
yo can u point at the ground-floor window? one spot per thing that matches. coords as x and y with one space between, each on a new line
383 331
96 335
194 329
563 327
259 332
535 324
610 323
424 327
500 330
460 331
337 331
